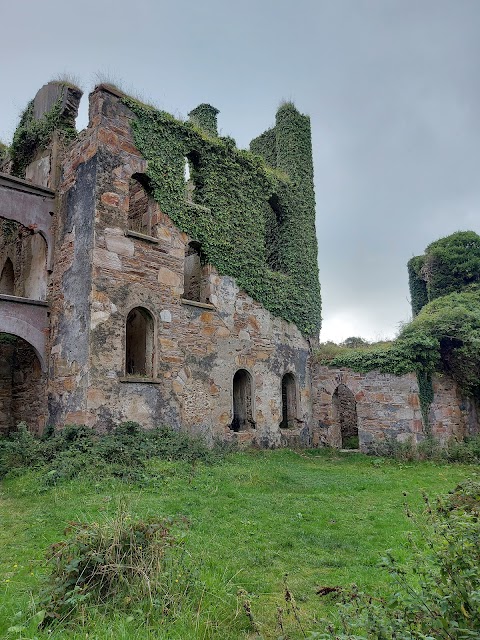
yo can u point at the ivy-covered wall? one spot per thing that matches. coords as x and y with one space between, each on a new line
37 125
444 334
231 212
449 264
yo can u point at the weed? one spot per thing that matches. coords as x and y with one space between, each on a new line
74 450
437 593
120 562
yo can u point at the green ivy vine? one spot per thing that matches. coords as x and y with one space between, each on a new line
231 215
31 135
444 334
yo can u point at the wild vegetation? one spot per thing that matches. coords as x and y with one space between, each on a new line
254 219
444 334
199 545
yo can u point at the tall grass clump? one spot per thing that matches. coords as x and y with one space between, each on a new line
120 564
465 451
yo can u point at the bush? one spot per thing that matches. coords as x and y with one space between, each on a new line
123 453
466 451
120 562
438 593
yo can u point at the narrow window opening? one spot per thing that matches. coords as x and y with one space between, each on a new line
7 279
289 402
273 234
191 175
139 343
140 205
345 414
242 401
192 285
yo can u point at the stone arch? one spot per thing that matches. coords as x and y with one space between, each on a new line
243 412
139 343
289 401
273 231
7 278
17 327
190 174
22 385
36 278
345 417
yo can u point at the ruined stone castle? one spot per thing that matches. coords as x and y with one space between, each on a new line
170 279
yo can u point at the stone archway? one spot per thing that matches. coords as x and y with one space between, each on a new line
22 385
345 417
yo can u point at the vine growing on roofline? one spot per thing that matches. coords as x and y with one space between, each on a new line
444 335
34 134
232 205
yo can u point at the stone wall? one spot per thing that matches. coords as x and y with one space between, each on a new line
6 415
387 406
103 270
23 396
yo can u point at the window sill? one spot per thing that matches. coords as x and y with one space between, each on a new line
194 303
140 380
141 236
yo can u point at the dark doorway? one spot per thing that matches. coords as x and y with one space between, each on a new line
345 413
22 385
242 401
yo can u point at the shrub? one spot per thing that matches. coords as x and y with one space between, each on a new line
438 593
122 453
120 562
466 451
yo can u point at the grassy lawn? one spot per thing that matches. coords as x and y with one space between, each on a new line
321 517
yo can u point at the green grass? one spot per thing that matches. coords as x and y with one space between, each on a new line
322 517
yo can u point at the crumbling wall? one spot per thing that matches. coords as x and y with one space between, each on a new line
198 346
23 386
26 252
387 406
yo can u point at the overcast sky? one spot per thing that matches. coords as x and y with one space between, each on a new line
392 88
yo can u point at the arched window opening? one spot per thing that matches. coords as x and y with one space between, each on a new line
273 234
35 253
289 402
140 205
242 401
192 284
7 279
345 414
139 343
190 173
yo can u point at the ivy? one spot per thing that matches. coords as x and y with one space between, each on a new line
417 284
449 264
33 134
9 229
235 190
444 334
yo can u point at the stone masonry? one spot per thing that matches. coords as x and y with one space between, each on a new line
89 262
